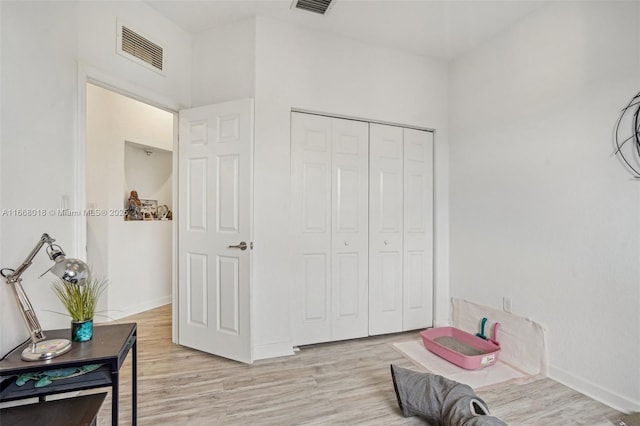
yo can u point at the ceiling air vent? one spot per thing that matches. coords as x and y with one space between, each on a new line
142 50
317 6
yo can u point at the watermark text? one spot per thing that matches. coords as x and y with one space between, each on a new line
62 212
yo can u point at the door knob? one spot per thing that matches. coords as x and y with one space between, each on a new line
386 242
241 246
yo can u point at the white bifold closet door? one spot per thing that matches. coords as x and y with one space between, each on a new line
329 172
401 229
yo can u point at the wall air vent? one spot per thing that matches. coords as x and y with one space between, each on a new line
317 6
139 48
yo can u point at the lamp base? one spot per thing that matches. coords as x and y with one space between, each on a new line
46 349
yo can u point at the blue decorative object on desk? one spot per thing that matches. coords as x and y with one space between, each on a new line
81 331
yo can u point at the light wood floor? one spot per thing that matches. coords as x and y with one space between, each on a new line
344 383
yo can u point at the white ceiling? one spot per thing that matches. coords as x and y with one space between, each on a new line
440 29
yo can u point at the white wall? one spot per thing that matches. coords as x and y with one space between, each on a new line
298 68
149 171
42 43
540 209
134 255
224 63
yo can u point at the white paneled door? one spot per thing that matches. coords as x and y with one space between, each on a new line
311 191
401 229
386 155
349 229
214 229
418 230
329 190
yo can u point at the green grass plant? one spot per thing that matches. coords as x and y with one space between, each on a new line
80 301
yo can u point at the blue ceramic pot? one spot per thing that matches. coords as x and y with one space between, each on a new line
81 331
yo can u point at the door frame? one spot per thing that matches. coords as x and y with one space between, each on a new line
88 74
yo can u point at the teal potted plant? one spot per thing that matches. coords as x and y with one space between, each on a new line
81 303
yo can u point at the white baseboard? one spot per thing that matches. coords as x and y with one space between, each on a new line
116 314
272 350
442 323
605 396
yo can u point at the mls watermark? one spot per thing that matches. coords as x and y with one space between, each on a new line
63 212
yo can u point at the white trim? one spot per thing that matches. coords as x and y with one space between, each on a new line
80 173
272 350
592 390
434 232
366 120
441 323
252 155
113 315
87 74
174 231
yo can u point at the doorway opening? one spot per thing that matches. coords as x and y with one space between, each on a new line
129 147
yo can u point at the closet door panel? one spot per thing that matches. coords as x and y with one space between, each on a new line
418 229
349 280
315 284
363 218
311 195
386 157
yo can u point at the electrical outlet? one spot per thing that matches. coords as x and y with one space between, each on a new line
506 304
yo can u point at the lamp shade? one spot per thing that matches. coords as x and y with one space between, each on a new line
73 271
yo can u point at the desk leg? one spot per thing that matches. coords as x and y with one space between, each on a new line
134 383
115 377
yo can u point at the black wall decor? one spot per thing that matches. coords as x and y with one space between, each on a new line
627 136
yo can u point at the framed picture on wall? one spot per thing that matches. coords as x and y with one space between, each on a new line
149 209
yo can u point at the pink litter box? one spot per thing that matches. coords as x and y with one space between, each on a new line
461 348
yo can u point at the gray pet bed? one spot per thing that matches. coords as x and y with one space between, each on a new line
442 402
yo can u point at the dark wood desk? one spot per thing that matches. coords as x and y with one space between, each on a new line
77 411
109 346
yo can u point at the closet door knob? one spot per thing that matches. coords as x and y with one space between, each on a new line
386 242
346 243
